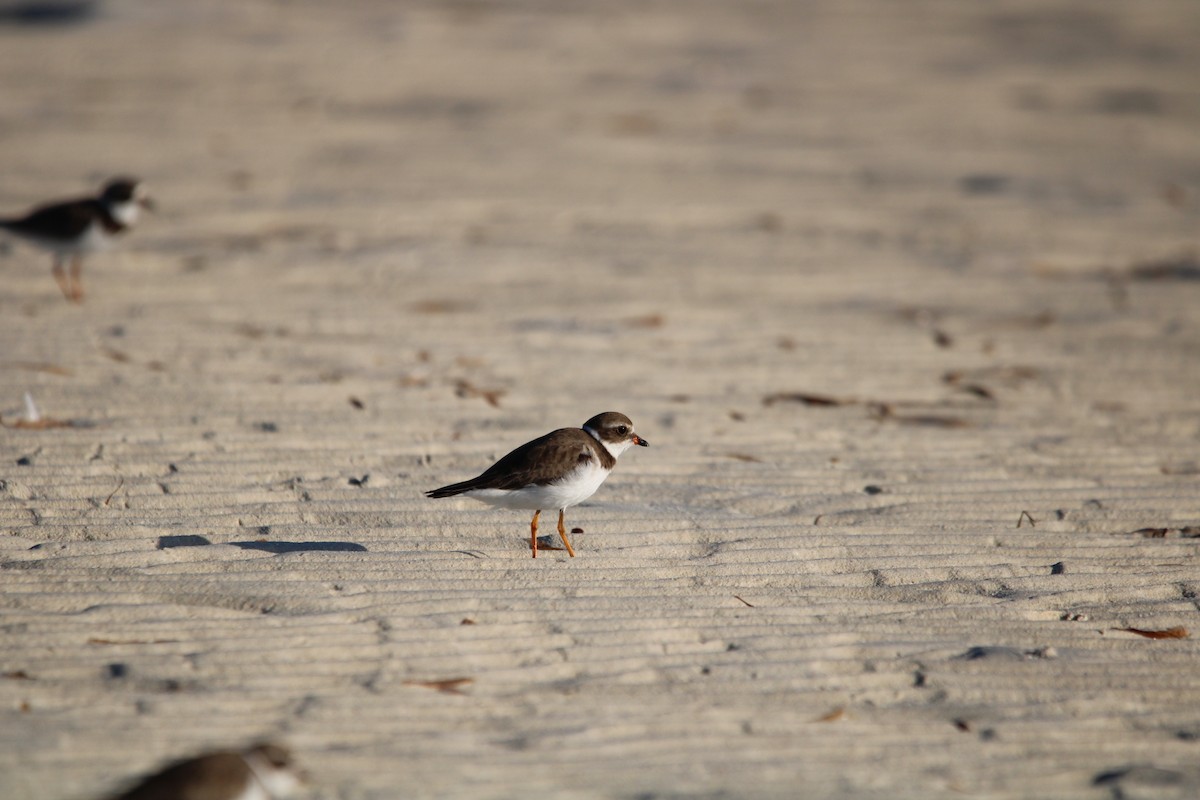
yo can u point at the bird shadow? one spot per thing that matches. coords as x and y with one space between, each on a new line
191 540
48 13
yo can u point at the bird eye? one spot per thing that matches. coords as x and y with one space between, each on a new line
622 429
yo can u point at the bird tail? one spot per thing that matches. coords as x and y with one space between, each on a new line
451 490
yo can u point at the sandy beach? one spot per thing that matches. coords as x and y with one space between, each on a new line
906 298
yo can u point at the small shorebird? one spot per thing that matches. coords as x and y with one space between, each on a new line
70 229
558 470
262 772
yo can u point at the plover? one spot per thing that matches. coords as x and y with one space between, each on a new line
262 772
558 470
70 229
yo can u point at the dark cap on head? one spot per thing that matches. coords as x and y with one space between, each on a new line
613 426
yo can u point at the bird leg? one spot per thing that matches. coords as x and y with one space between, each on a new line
563 532
77 279
61 278
533 532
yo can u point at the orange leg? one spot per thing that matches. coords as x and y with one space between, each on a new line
563 532
61 278
77 279
533 532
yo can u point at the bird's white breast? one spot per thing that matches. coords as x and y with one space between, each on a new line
268 782
125 213
253 790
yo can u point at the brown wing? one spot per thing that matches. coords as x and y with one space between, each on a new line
59 220
534 462
213 777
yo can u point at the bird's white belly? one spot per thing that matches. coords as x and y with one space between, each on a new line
578 486
94 238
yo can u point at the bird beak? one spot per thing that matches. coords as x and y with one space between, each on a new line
147 203
640 441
